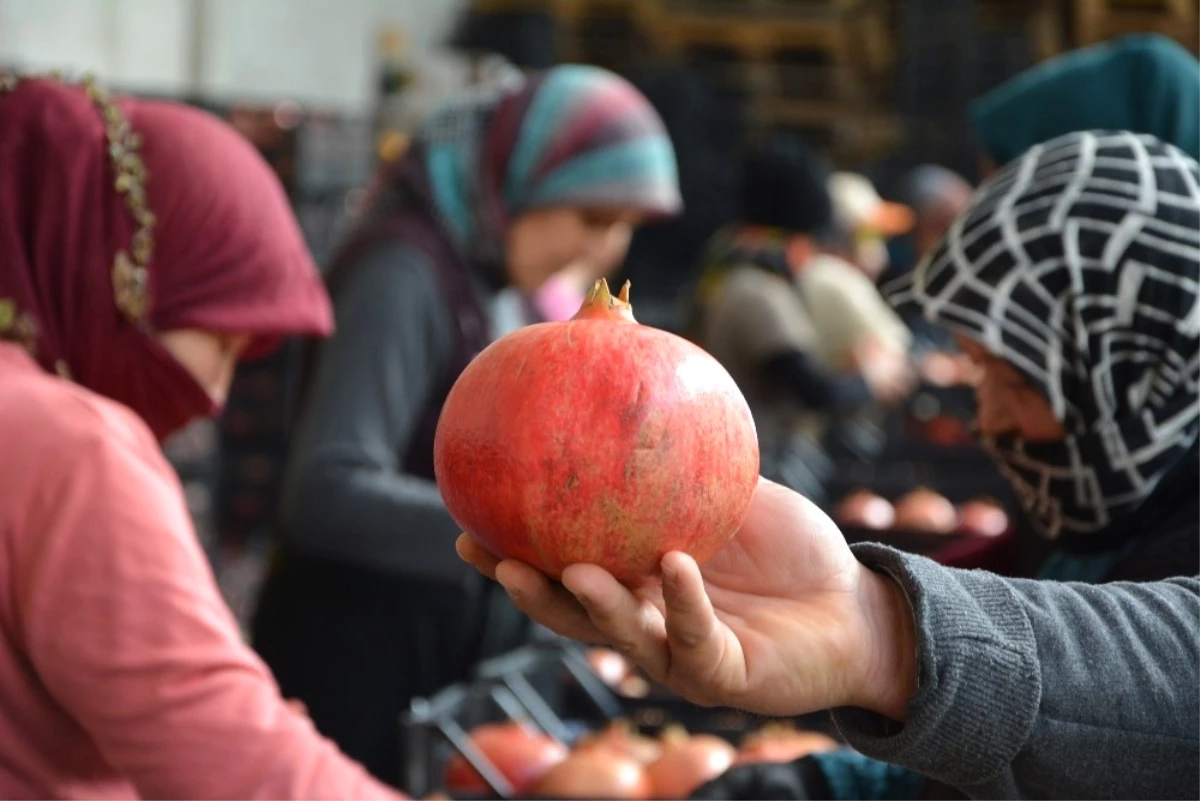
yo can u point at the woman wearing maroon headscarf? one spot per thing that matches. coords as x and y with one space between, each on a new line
144 248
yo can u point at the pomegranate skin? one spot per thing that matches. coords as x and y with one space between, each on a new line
596 440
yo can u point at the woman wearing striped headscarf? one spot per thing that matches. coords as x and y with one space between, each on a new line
367 605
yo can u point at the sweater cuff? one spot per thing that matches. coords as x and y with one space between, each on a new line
978 675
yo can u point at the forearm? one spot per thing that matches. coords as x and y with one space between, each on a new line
1006 700
347 496
815 387
372 517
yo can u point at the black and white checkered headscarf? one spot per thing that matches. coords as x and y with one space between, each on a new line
1079 264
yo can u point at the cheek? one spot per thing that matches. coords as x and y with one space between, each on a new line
993 410
1037 421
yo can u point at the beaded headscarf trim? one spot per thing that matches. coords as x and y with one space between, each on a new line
131 267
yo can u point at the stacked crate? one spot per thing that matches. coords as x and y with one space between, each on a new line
810 66
1097 20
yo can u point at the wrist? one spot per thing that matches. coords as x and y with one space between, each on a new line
888 663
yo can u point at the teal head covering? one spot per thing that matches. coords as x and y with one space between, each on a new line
571 136
1145 84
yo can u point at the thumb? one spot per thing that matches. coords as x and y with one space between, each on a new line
698 642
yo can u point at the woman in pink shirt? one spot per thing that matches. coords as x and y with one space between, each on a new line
144 248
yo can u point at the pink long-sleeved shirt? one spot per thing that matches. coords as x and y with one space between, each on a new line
122 673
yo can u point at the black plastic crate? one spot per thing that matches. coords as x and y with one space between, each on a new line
436 729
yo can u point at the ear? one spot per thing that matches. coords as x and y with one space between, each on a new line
800 249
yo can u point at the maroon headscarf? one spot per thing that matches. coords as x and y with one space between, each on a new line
228 255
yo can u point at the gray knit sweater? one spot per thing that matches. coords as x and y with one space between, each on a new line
1041 689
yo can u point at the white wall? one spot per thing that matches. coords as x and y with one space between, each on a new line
312 51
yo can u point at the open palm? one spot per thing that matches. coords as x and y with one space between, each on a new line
773 624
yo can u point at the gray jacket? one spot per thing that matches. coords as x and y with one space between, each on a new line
1041 689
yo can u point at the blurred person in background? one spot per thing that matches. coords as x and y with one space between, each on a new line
1074 280
366 605
868 220
1142 83
145 247
765 306
937 197
854 323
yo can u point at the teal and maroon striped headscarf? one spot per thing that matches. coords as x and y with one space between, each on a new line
570 136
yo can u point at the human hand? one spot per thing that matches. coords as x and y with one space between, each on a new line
783 621
886 370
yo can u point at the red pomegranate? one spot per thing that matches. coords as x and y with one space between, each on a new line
865 509
926 511
522 756
610 666
596 440
687 762
623 738
595 773
982 518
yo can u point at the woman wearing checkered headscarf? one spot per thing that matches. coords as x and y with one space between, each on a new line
368 605
1074 278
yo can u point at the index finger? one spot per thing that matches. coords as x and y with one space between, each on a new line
547 602
476 555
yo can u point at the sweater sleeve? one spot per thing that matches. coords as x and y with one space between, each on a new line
814 386
1044 689
122 622
347 496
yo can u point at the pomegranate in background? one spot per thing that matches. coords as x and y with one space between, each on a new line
596 440
982 518
610 666
688 761
521 755
865 509
595 773
926 511
621 737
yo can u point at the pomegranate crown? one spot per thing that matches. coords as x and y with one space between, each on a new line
601 304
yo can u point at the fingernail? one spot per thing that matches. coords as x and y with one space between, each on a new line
512 591
670 570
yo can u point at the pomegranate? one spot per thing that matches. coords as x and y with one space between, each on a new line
688 761
925 510
622 738
633 686
865 509
982 518
595 773
781 742
610 666
522 756
596 440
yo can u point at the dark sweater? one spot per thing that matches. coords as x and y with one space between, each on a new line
347 496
